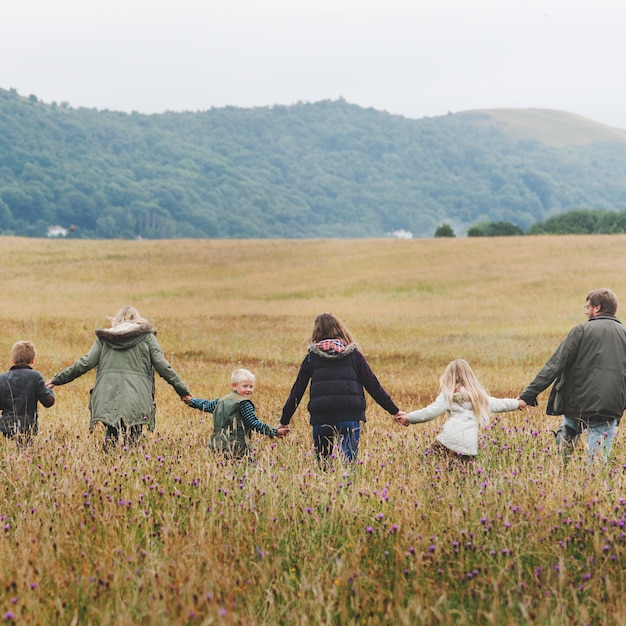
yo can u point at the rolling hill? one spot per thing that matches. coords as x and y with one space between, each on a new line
324 169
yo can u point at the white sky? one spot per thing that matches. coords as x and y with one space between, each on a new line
411 57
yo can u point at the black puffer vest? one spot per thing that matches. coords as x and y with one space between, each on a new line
336 392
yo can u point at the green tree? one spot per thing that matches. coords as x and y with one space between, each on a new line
475 231
444 230
494 229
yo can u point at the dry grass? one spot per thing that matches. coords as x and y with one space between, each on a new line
168 535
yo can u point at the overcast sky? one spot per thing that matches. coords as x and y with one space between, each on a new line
410 57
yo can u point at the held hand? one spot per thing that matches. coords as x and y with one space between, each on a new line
400 418
283 430
522 404
186 399
49 384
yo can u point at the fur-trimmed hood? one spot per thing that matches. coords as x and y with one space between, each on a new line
125 335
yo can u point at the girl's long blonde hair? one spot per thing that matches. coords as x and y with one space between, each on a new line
460 374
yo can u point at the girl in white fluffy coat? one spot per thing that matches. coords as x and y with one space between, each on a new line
468 406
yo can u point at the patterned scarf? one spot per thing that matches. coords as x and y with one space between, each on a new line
332 346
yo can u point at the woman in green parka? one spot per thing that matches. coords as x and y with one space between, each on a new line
125 357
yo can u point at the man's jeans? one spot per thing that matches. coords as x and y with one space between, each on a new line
600 435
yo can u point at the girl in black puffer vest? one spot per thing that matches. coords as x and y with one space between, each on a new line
338 373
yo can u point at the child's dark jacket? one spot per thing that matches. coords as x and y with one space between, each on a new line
21 388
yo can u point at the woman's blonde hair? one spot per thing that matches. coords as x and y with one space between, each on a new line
127 314
327 326
459 373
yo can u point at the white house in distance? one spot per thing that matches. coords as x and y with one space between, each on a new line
57 231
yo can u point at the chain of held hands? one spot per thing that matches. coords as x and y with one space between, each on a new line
400 416
284 430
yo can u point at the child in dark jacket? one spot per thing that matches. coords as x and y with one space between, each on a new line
338 374
21 388
234 417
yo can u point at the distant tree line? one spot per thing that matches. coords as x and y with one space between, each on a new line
576 222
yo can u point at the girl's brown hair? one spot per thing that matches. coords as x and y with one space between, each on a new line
327 326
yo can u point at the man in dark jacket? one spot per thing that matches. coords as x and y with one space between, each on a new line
589 374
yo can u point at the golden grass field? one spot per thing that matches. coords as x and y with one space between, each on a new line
168 534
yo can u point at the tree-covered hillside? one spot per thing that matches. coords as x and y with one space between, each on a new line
321 169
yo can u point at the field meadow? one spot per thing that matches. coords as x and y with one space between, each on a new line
168 533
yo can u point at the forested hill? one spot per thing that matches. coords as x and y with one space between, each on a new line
325 169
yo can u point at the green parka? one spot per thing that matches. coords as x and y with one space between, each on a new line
126 357
588 370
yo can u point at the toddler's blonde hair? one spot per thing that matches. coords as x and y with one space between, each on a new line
238 376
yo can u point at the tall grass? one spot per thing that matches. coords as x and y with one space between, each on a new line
170 534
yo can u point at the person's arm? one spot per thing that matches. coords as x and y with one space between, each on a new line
431 412
203 405
164 369
559 362
369 381
252 422
44 395
297 391
503 405
78 368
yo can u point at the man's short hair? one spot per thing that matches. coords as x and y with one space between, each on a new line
24 352
605 299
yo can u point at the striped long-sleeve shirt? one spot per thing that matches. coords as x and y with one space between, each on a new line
246 409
